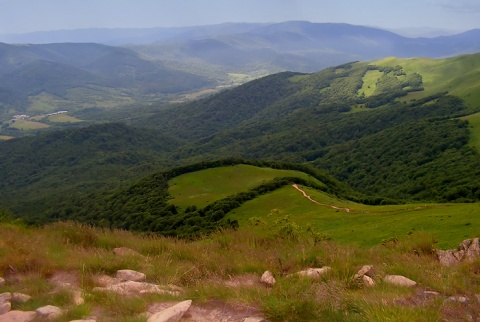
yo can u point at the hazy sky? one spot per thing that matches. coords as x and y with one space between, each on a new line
18 16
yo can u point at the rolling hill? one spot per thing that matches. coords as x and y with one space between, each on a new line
385 128
37 79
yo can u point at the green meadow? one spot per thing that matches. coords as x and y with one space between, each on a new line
203 187
25 125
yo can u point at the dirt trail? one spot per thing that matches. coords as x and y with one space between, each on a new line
318 203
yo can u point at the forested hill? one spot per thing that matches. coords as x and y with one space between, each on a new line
392 128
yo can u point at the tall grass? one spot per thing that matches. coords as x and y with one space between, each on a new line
29 256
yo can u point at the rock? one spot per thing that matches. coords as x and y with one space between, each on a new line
20 298
49 312
399 280
314 273
446 257
124 251
131 288
172 314
458 299
18 316
368 281
5 297
254 319
129 275
5 307
268 279
365 270
83 320
77 297
468 250
431 293
2 281
105 280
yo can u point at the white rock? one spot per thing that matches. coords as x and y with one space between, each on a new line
368 281
254 319
2 281
268 279
20 297
172 314
136 288
49 312
129 275
315 273
5 307
18 316
5 297
83 320
77 297
399 280
365 270
458 299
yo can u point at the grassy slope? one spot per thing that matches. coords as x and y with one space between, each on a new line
474 121
437 76
203 187
365 225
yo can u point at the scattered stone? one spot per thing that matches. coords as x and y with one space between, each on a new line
172 314
105 280
468 250
5 307
2 281
131 288
458 299
368 281
365 270
431 293
5 297
129 275
77 297
254 319
268 279
20 297
125 251
49 312
83 320
399 280
314 273
18 316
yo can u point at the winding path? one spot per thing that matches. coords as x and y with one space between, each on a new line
318 203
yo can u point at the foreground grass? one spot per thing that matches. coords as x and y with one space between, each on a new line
29 256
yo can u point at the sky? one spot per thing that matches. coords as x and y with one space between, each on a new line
21 16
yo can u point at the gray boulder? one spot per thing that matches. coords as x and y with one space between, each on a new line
314 273
172 314
49 312
468 250
20 298
5 307
18 316
129 275
399 280
267 279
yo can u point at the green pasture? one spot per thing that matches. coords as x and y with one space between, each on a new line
369 82
458 75
63 118
203 187
363 225
474 121
25 125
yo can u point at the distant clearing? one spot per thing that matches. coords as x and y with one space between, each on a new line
5 137
474 121
203 187
45 103
25 125
63 118
364 225
369 82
